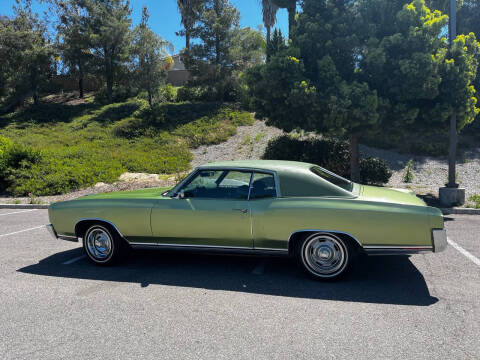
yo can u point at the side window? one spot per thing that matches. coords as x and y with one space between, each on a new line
263 186
218 184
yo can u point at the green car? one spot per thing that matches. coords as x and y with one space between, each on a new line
266 207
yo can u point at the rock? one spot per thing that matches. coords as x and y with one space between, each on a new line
138 177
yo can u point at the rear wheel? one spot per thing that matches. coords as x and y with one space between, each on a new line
103 245
324 256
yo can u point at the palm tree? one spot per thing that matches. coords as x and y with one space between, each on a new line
269 10
188 11
291 6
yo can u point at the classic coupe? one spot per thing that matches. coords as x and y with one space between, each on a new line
269 207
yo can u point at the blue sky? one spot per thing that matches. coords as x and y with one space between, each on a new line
165 19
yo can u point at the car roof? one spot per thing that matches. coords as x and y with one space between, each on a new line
272 165
295 178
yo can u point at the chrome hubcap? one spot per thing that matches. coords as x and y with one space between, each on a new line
99 244
324 254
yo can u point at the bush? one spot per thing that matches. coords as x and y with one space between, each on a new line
168 93
374 171
14 157
331 154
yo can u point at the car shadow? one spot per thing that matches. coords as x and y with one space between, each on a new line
382 280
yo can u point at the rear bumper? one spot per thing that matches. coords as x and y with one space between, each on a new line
439 240
439 244
54 234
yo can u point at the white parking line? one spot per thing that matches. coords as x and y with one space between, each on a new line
464 252
71 261
18 212
17 232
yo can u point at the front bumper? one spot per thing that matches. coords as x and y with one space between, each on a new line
54 234
439 240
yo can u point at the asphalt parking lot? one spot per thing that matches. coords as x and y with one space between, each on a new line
54 304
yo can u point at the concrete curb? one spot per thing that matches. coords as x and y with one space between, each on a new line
23 206
460 211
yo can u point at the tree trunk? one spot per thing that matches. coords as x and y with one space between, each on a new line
268 42
354 158
292 11
149 97
80 86
110 88
35 95
187 40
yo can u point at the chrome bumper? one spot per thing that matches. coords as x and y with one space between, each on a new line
439 239
52 231
54 234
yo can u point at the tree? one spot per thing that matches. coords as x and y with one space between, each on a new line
276 44
150 53
189 11
269 12
73 40
27 54
468 18
312 84
410 66
248 48
210 61
109 37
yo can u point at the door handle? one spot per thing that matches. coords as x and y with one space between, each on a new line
243 211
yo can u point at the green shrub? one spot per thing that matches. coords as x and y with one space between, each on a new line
14 157
168 93
408 175
475 198
63 171
331 154
374 171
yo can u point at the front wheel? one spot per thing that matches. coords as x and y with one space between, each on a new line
102 245
324 256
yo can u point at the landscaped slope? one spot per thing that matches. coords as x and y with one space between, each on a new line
75 146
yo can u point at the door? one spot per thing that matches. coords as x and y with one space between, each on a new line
268 215
211 209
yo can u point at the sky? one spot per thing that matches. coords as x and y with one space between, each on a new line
165 18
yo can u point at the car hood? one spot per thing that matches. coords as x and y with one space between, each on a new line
389 195
150 193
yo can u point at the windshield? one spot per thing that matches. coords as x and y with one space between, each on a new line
332 178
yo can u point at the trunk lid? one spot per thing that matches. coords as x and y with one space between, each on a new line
390 195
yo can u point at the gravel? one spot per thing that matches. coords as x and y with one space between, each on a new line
249 143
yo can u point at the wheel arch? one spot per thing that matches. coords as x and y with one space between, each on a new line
83 225
300 234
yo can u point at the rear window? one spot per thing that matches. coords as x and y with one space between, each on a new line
332 178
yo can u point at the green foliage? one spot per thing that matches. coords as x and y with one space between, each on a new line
222 52
374 171
73 40
213 130
276 44
110 38
329 153
168 93
408 176
27 57
84 144
149 52
475 198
